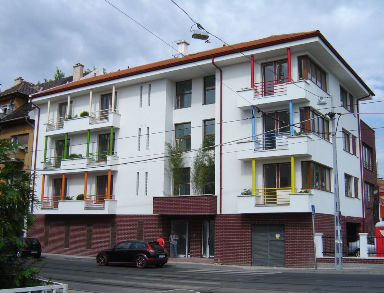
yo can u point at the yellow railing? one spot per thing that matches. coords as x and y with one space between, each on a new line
273 196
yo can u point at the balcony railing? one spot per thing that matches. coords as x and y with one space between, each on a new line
54 125
52 163
270 88
269 141
273 196
100 115
50 202
96 201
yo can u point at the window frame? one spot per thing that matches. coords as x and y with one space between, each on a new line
367 155
346 141
324 172
209 89
315 73
180 96
205 134
312 121
348 185
185 138
186 183
346 100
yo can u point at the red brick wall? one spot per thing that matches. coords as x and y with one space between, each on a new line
235 231
185 205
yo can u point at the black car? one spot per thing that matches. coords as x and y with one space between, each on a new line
139 253
31 247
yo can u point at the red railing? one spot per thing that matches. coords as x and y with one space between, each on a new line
271 87
95 201
50 202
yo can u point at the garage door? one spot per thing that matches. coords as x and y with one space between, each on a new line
268 245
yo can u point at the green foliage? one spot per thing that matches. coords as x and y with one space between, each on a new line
246 191
203 173
16 198
84 114
175 162
59 74
75 156
80 197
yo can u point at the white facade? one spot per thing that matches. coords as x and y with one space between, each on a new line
145 103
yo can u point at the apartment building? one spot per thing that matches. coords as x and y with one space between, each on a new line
103 170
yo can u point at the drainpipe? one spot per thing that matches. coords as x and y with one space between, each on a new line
361 160
221 135
35 148
253 110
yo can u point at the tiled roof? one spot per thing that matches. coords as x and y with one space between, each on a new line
221 51
24 87
19 113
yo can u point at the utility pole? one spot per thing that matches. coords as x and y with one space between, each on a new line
338 238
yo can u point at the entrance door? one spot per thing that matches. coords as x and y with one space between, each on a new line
268 245
208 239
181 229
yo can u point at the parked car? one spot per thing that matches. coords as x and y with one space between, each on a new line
139 253
354 248
31 247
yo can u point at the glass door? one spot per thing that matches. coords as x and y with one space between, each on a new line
270 183
103 147
105 106
180 227
208 245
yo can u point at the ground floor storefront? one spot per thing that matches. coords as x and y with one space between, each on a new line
242 239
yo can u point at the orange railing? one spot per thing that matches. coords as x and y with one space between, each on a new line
50 202
271 87
95 201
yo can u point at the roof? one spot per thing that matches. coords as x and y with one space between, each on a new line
24 87
204 55
19 113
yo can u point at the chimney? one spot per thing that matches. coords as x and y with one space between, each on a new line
182 47
18 80
78 71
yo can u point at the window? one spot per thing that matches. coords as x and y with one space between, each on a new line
348 185
147 140
368 191
346 141
183 136
314 122
149 94
346 100
183 94
367 157
209 90
21 140
185 183
275 124
310 70
315 176
356 186
274 73
146 183
141 97
104 147
209 133
137 183
105 105
354 140
139 139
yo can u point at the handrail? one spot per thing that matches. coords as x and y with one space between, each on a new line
50 201
270 87
273 196
96 200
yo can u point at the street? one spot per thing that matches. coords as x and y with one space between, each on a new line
82 274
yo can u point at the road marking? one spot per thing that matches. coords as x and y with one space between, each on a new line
227 272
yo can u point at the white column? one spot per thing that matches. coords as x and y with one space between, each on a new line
363 245
113 98
90 102
49 109
319 244
68 106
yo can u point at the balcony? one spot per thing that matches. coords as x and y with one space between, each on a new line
275 146
94 162
279 93
93 204
275 200
185 205
99 120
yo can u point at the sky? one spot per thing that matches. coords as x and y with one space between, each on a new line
36 36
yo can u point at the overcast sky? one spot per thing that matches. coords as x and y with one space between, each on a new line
38 36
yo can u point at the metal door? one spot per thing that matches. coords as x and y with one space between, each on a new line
268 245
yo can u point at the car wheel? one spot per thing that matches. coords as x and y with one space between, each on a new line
141 262
102 259
357 253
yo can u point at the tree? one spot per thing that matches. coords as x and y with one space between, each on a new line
203 173
16 197
59 74
175 163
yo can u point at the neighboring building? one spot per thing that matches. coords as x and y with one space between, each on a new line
369 172
15 122
380 183
264 101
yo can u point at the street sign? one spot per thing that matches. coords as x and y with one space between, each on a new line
313 210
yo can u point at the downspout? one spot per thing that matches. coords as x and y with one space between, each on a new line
35 148
361 160
221 136
253 110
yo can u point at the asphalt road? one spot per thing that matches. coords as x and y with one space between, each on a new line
82 274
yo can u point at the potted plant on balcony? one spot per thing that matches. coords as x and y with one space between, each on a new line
246 191
84 114
175 164
80 197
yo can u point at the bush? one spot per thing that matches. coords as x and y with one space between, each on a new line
75 156
67 197
84 114
246 191
80 197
